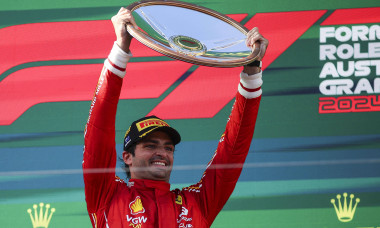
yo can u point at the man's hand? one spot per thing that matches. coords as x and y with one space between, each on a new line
252 37
119 21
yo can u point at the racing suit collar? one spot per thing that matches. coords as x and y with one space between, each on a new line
145 183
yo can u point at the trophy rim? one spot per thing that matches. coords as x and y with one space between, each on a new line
156 45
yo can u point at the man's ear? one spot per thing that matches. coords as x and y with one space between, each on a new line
127 158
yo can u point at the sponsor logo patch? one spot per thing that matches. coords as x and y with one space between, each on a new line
136 206
178 200
150 123
184 221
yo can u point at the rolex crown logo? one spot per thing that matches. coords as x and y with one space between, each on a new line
346 212
136 206
41 219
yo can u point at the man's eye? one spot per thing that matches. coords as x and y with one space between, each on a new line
169 149
150 146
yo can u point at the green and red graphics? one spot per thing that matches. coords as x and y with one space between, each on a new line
315 157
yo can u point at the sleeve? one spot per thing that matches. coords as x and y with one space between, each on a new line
223 171
99 154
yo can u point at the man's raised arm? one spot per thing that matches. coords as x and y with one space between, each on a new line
99 156
223 171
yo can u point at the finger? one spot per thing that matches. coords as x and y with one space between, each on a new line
252 36
252 31
121 10
253 39
264 41
125 11
132 21
127 17
263 47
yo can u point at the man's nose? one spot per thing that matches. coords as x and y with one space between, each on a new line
160 154
161 150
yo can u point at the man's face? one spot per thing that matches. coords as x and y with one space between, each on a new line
153 158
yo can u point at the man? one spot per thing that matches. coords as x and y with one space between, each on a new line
146 201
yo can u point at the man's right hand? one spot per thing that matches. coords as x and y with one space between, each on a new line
119 21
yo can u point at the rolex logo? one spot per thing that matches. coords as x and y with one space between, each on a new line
40 217
346 212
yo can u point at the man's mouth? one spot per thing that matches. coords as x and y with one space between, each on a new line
159 163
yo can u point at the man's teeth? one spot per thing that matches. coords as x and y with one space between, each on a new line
159 163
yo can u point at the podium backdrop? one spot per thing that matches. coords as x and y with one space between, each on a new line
315 158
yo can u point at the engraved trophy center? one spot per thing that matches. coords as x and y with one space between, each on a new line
187 45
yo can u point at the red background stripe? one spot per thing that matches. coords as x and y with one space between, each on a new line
34 85
353 16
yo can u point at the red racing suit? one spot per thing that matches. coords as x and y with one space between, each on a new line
151 204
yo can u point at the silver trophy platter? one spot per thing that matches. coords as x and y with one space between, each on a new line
191 33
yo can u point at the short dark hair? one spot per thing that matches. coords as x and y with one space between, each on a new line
130 150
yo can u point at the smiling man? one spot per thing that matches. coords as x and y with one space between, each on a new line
146 200
154 140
